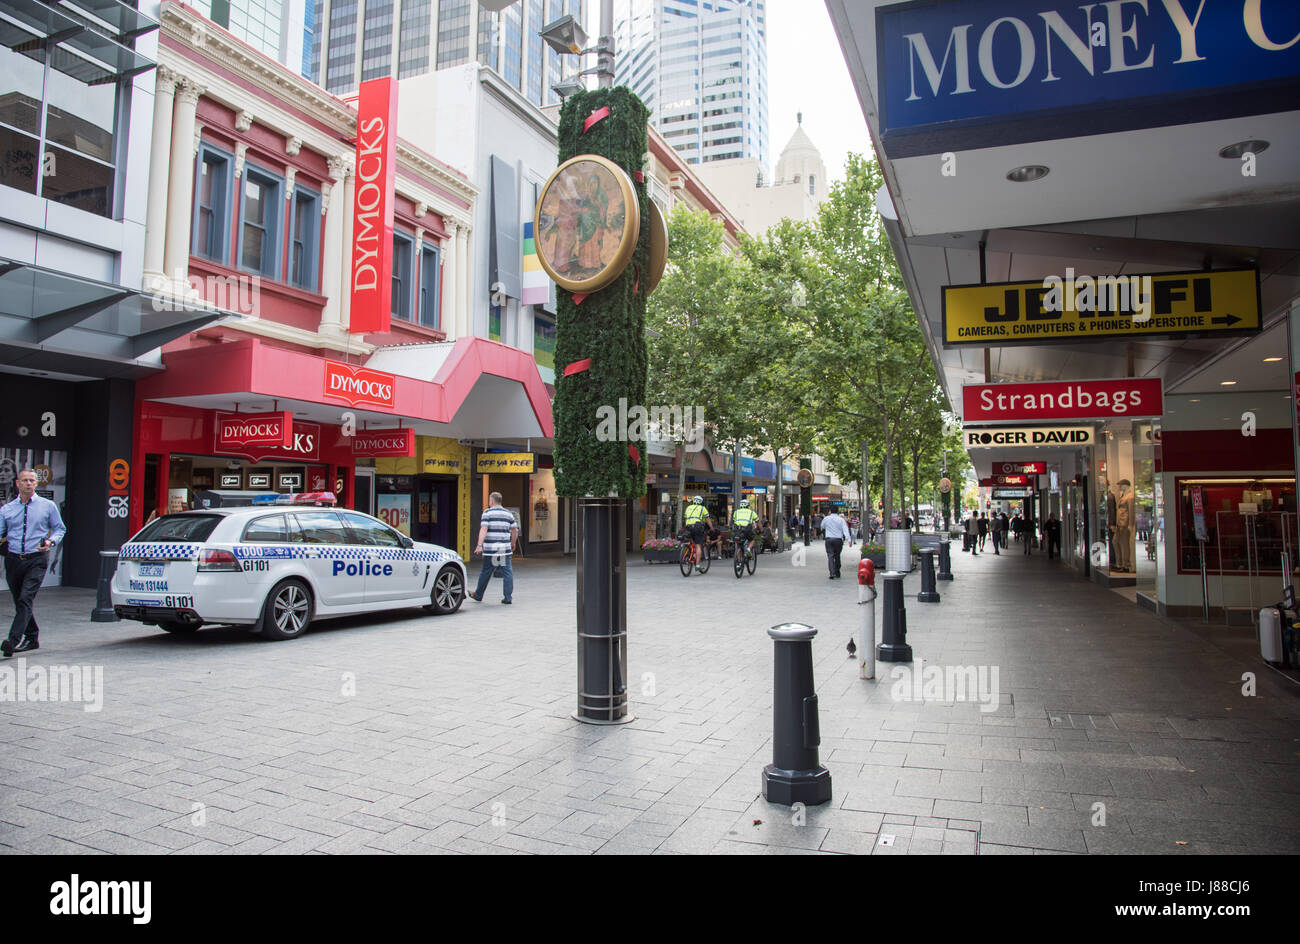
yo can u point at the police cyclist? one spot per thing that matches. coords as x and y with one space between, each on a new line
742 519
697 519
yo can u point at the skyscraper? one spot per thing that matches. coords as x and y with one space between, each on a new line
281 29
701 68
356 40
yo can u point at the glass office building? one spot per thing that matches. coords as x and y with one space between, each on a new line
701 68
365 39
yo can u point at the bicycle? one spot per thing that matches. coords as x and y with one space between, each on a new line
745 559
687 561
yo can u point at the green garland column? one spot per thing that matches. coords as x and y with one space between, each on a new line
608 327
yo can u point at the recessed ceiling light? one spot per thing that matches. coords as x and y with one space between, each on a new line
1226 383
1270 360
1234 151
1027 172
1197 400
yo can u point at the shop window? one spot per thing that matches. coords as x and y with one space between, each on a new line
268 530
1247 523
430 287
403 247
211 236
304 240
259 216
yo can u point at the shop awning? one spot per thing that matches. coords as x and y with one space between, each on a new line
475 389
55 323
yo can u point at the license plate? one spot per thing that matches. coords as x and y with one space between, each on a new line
151 570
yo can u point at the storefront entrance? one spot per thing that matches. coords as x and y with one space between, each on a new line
435 519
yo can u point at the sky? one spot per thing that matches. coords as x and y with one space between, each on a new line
806 72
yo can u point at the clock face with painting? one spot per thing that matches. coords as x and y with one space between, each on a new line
587 223
805 478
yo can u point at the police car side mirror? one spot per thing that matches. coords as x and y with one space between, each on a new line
407 542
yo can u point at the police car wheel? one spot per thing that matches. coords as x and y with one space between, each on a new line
448 591
175 626
288 610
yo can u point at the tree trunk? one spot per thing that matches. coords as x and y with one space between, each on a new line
916 485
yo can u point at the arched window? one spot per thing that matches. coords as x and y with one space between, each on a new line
812 185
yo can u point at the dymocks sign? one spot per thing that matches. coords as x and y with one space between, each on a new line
372 206
1057 400
384 442
358 386
238 432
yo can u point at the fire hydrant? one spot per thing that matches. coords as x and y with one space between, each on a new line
867 621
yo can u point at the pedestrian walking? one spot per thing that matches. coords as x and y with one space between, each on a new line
497 539
30 527
836 529
995 532
1053 531
1003 526
1028 533
982 524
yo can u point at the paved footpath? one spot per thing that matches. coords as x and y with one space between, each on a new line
1115 731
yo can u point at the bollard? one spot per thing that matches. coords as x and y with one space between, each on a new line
794 776
928 594
965 543
893 645
867 622
103 611
945 562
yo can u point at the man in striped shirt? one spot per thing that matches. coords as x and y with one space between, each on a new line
496 542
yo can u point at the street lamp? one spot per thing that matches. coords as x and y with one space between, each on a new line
568 38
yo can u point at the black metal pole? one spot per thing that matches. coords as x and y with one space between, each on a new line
794 776
893 641
602 611
928 593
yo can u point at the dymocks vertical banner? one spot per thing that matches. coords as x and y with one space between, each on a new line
372 206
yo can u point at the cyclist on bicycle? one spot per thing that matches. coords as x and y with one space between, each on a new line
697 519
742 519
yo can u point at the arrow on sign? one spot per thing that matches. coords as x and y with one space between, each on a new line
1229 320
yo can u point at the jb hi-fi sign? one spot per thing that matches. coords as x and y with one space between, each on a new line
372 206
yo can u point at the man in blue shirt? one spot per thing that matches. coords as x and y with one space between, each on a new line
31 526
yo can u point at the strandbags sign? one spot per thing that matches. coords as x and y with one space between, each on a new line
358 386
1029 436
954 75
1062 400
372 206
376 443
1085 307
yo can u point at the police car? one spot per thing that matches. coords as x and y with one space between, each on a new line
276 566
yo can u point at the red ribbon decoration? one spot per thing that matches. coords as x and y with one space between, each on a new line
594 117
578 298
636 286
638 176
578 367
634 453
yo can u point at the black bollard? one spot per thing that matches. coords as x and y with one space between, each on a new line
103 611
602 612
794 776
893 641
965 543
945 562
928 594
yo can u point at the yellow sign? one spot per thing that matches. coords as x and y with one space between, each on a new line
504 462
1223 302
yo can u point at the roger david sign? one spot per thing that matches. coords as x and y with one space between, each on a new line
1056 309
1062 400
372 206
358 386
384 443
239 432
1059 436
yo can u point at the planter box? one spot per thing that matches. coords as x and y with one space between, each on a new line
877 558
656 555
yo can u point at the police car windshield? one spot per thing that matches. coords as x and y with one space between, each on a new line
188 528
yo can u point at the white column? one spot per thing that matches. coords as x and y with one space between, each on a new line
464 306
332 285
450 317
344 256
155 227
180 186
